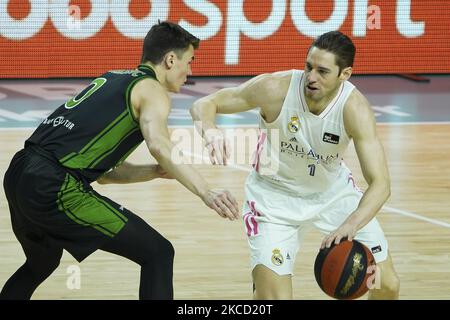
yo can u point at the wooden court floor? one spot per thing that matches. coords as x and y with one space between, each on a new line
212 260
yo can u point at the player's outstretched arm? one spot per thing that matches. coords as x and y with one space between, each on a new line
131 173
153 112
259 91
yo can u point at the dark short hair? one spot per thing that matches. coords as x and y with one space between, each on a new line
164 37
338 43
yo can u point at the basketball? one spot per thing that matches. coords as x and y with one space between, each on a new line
343 271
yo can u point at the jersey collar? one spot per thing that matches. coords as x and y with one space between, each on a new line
147 70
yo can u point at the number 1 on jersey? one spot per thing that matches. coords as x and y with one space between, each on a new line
312 169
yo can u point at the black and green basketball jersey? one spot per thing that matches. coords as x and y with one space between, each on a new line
96 130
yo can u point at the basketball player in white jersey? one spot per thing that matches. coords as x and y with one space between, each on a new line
317 112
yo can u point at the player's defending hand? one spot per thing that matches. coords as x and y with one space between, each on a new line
218 146
222 202
161 173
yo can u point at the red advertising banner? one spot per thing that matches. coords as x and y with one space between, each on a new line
83 38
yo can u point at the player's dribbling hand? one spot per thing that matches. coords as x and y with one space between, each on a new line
346 230
218 146
222 202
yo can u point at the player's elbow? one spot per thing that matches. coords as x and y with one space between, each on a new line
193 110
385 186
155 150
201 107
388 190
159 150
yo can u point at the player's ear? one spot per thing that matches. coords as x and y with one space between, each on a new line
345 73
169 60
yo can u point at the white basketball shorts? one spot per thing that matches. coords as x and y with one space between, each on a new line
276 222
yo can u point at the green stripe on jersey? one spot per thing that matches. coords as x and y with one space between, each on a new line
103 144
87 209
111 150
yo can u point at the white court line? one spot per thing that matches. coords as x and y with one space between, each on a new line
417 216
413 123
398 211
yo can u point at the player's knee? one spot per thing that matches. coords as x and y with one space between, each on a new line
44 268
391 284
162 251
268 285
169 250
272 291
272 294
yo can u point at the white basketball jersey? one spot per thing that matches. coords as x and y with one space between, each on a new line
301 152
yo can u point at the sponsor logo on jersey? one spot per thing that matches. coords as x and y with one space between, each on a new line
277 257
330 138
294 124
294 149
376 249
59 121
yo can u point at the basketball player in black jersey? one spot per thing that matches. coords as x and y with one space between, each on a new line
52 205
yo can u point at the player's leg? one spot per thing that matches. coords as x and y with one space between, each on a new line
268 285
389 283
142 244
273 248
100 223
42 258
42 255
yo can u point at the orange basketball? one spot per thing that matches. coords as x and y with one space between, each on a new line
346 270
